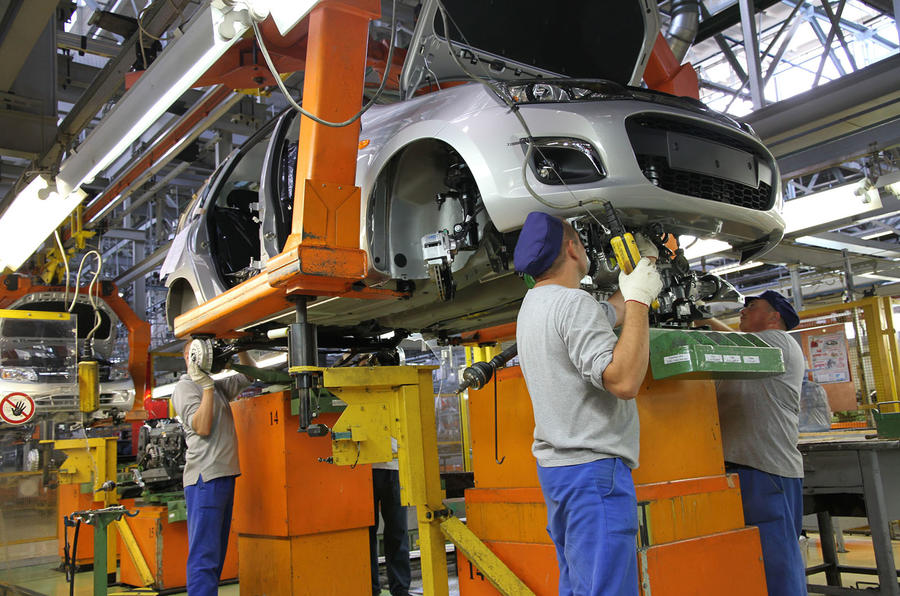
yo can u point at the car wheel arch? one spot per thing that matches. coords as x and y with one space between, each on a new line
422 165
181 297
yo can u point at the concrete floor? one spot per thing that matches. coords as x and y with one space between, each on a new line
44 579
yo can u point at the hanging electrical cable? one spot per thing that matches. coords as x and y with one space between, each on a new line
313 117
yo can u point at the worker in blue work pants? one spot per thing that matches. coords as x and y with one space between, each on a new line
759 419
582 379
209 506
774 504
211 466
584 503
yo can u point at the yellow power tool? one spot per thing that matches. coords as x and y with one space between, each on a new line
622 242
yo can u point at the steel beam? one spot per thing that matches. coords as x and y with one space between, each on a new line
145 267
783 125
21 37
840 149
836 23
87 45
840 241
157 18
818 12
835 26
779 54
823 39
751 52
726 18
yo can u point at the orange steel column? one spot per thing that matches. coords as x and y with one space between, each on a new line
322 256
326 200
692 538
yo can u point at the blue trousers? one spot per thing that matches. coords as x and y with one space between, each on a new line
209 521
386 490
592 519
774 504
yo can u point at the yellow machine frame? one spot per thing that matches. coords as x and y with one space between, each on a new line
396 401
878 314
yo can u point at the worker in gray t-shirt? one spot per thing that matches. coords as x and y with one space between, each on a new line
582 380
211 465
759 420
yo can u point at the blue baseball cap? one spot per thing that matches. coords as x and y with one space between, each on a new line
539 243
782 305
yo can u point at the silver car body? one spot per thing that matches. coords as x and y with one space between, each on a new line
403 161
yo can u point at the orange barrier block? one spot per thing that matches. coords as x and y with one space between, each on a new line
688 508
302 524
727 563
164 547
534 564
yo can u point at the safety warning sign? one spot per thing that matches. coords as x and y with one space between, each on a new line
16 408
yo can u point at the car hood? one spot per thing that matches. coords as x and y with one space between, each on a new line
527 39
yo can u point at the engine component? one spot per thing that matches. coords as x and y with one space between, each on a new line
438 251
160 455
685 292
478 375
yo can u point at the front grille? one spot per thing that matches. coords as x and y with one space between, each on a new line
648 136
702 186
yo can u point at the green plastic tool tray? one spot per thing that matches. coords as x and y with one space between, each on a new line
696 354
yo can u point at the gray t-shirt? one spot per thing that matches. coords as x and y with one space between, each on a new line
759 417
565 340
215 455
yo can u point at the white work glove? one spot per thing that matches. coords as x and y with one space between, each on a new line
645 246
198 376
641 285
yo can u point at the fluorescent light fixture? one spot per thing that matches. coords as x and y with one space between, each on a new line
702 247
874 275
890 182
30 219
174 72
167 389
827 209
878 234
32 216
836 241
734 267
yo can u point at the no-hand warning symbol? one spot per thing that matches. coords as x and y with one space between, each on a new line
16 408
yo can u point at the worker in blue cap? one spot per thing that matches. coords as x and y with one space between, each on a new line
582 380
759 420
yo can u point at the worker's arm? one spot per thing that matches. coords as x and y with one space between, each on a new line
714 324
202 419
245 359
618 303
630 357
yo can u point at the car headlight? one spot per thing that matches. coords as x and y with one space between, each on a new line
119 372
559 90
18 373
558 161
